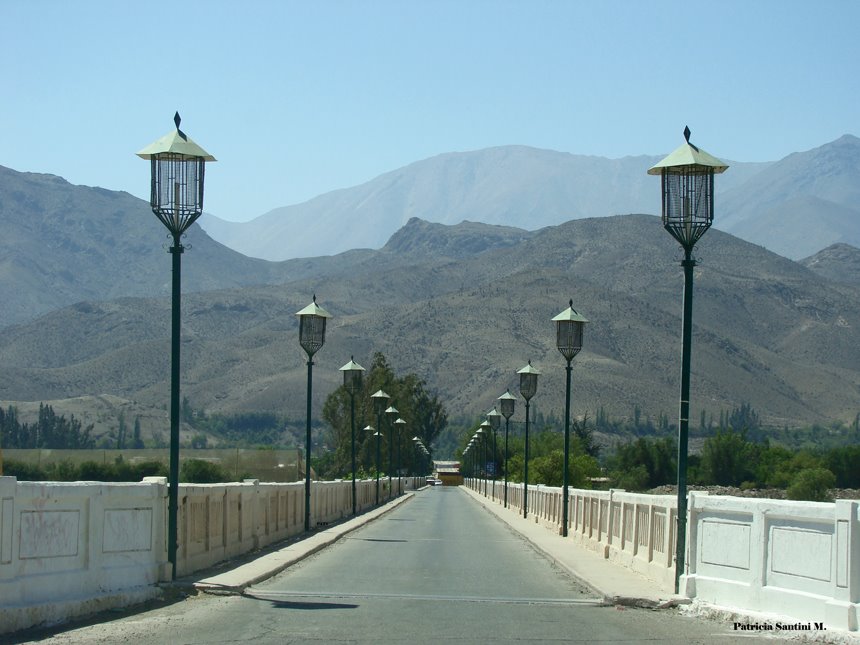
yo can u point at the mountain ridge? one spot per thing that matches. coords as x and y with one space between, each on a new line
767 330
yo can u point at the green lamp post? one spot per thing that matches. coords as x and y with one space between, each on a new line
392 414
312 322
176 197
398 433
486 429
352 372
416 441
380 400
507 403
495 420
478 439
368 432
569 327
687 182
528 388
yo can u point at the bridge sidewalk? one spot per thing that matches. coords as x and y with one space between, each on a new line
238 578
615 583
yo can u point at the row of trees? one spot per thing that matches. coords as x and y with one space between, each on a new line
50 431
195 471
727 458
424 414
546 455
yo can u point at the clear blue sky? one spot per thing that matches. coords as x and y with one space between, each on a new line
299 98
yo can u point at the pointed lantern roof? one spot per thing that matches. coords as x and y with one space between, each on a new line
175 142
688 155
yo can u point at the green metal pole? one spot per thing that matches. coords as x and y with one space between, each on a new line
494 463
485 441
526 468
399 491
378 436
390 457
308 452
173 489
507 425
565 468
352 428
684 418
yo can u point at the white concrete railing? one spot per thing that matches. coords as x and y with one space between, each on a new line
795 559
69 549
799 559
636 531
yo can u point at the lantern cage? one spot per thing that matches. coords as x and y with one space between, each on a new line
312 321
311 333
688 202
494 418
569 328
528 381
177 190
380 398
352 376
569 338
507 402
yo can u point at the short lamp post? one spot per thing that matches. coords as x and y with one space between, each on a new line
176 198
398 433
312 322
687 181
569 326
380 400
528 388
495 420
352 373
507 403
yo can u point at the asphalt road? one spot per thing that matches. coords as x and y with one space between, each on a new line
437 569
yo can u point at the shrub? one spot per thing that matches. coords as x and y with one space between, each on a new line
811 485
198 471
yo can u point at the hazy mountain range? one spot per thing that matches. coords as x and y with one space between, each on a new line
85 278
795 206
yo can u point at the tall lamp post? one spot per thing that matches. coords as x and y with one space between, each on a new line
485 430
495 420
352 382
368 450
312 321
392 414
569 326
507 402
380 399
687 181
176 197
478 439
398 427
528 388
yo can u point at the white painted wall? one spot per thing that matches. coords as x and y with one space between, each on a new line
798 559
70 549
795 559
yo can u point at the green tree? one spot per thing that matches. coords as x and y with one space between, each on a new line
656 457
424 414
844 463
812 484
728 459
121 431
136 440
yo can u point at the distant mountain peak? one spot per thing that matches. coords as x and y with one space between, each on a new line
419 236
